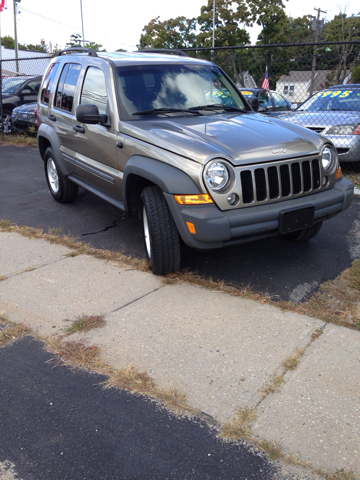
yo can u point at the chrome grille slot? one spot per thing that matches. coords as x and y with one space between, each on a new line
280 180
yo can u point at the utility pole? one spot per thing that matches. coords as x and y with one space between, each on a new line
15 32
313 66
213 35
82 23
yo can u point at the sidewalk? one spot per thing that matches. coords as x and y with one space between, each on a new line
219 350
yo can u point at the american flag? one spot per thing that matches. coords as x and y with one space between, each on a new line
3 5
265 83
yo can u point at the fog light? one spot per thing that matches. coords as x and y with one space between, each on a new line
233 199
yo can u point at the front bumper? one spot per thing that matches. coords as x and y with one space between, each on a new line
216 228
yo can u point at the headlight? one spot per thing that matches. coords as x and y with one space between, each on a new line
343 130
217 176
328 157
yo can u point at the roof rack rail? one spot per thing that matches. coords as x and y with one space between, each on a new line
90 51
166 51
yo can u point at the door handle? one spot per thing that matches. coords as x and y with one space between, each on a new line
79 128
52 117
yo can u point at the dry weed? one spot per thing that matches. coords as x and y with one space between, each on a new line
85 323
339 474
273 449
10 331
273 385
238 427
290 363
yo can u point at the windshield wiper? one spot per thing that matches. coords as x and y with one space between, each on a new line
166 110
218 106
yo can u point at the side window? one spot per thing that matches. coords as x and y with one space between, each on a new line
94 89
48 83
280 103
265 100
33 86
65 93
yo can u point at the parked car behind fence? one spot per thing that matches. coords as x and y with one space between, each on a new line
335 114
17 91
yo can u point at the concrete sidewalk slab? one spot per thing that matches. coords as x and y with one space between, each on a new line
65 289
18 253
218 349
317 412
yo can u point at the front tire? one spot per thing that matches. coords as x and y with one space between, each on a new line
305 234
161 237
61 188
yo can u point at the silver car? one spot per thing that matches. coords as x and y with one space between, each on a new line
334 113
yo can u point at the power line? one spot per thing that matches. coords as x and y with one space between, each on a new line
50 19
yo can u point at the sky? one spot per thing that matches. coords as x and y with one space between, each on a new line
116 24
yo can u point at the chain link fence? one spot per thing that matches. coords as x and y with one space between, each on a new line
19 87
304 83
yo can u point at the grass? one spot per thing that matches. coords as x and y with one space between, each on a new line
79 355
337 475
238 427
273 385
19 140
291 363
85 323
10 331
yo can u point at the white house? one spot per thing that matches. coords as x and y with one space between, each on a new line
296 86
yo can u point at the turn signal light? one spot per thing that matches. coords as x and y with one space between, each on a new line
191 227
338 173
193 199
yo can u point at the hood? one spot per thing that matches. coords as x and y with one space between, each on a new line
239 138
323 118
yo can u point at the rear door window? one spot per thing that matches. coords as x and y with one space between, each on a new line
48 84
65 93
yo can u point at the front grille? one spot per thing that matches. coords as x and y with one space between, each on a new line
316 129
342 151
261 184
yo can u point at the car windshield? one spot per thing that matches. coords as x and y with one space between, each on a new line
333 100
173 89
11 84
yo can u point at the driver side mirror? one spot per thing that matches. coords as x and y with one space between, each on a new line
90 114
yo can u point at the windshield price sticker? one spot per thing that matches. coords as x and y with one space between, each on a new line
336 93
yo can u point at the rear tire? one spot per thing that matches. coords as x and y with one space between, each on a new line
61 188
161 237
305 234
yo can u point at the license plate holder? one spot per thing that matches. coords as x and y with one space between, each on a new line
296 219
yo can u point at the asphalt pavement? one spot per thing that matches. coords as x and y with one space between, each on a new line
220 350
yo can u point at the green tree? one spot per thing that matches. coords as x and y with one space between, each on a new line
173 33
344 57
7 42
230 20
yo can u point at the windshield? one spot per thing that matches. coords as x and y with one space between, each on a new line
344 100
146 88
10 84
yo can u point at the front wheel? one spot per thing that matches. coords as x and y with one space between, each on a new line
61 188
161 237
304 234
5 125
